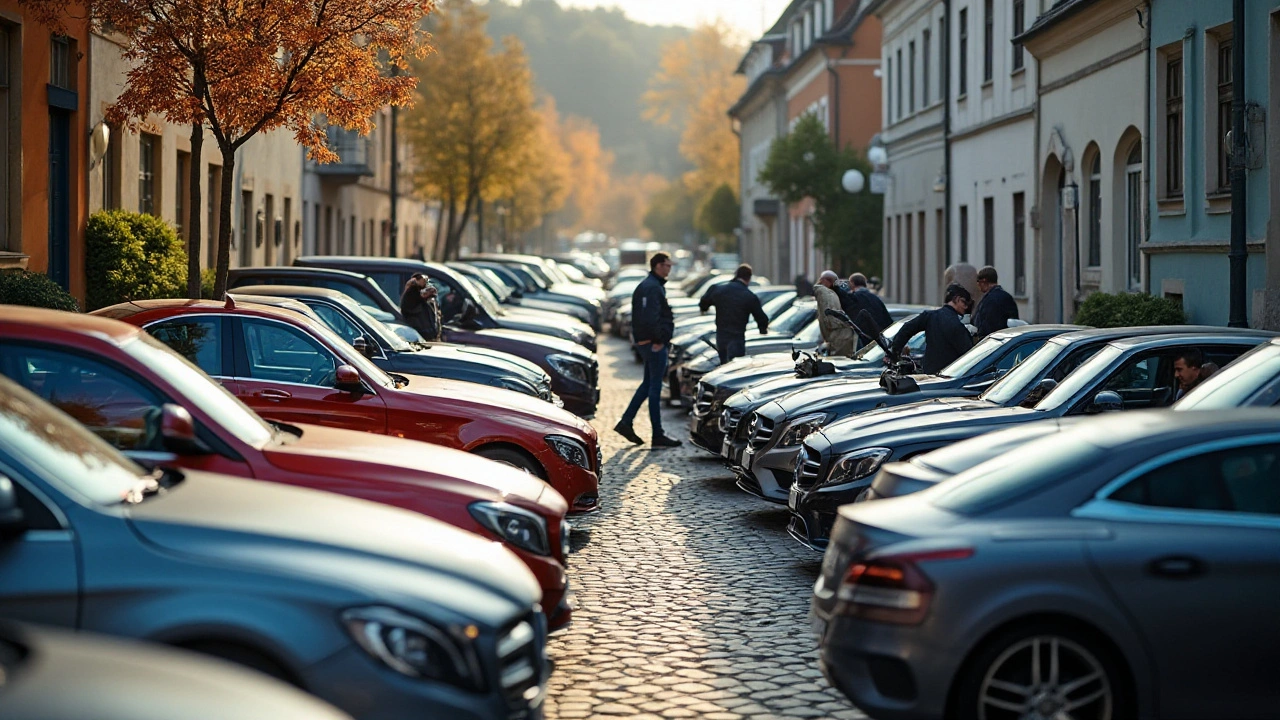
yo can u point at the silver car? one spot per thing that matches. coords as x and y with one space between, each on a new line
1125 567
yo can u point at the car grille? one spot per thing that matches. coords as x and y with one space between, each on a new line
729 419
761 430
808 465
702 397
520 667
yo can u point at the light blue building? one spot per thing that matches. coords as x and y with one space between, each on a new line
1190 94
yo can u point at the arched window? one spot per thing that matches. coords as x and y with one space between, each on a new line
1095 211
1133 214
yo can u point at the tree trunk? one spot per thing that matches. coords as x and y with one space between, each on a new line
224 222
437 252
193 220
448 233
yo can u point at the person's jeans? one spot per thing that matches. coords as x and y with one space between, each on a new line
655 371
730 345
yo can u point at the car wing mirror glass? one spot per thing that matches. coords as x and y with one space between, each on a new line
1105 401
348 378
12 520
171 429
364 346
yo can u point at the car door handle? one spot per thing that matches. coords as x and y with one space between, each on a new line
273 394
1176 567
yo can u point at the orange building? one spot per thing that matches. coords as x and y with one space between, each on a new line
43 146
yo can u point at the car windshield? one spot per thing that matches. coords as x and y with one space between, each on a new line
810 333
1025 374
490 278
974 359
39 434
778 305
1079 379
384 333
482 295
1237 384
1022 471
347 355
554 274
793 318
200 390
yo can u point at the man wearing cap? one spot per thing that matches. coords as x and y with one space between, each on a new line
945 337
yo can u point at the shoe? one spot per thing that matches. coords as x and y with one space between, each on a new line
626 431
664 441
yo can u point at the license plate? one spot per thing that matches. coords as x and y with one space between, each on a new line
792 498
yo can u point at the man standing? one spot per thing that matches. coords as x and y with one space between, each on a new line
997 307
734 302
652 326
864 299
945 337
419 308
838 336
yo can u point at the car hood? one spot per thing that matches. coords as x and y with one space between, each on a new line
843 391
309 535
549 343
478 401
382 458
586 292
916 414
505 362
540 318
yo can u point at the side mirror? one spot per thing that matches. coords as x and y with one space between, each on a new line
1046 386
348 378
364 346
1105 401
171 429
12 520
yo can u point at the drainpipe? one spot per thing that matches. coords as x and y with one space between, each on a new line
946 129
835 101
1144 269
1238 255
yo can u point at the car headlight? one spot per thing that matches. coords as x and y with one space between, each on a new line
803 427
572 450
416 648
514 525
569 367
857 465
516 385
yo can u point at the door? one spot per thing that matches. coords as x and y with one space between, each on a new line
287 375
60 197
39 573
1195 562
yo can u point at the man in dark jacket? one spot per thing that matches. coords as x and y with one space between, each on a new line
864 299
734 303
419 308
652 326
996 308
946 338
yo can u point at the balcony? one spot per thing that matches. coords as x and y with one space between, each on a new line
354 156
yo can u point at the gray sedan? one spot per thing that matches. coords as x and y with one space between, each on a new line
1125 567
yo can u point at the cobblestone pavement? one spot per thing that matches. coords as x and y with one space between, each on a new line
691 599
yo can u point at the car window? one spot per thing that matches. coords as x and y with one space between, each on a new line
199 340
1244 479
392 283
356 293
449 298
104 399
809 334
1254 379
338 322
1022 352
977 357
281 353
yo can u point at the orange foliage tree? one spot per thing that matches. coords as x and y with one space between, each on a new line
244 68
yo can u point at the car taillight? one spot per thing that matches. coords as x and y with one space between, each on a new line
892 588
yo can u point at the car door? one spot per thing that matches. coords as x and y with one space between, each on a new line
287 375
1195 562
39 568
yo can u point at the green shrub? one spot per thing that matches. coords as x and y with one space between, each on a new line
207 278
1129 309
21 287
130 256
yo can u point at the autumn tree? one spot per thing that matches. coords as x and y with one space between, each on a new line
720 215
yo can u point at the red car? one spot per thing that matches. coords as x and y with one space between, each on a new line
292 369
132 390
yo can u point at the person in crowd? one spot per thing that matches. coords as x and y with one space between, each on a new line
864 299
804 288
419 308
652 326
946 338
837 335
1190 369
996 308
734 303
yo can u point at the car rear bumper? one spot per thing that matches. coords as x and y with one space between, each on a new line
885 670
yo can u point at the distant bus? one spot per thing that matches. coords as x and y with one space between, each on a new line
636 252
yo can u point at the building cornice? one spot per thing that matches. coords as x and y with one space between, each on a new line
1084 72
993 123
1065 25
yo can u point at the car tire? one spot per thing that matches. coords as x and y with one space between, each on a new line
514 458
999 680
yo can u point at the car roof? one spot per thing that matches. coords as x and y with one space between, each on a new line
301 270
1174 337
523 259
238 296
209 306
405 263
287 291
1114 429
1034 329
102 326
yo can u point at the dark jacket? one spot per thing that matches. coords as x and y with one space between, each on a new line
946 338
420 314
651 317
855 301
994 312
734 303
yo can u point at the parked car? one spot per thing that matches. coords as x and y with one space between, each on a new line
547 271
384 613
49 674
1125 567
1127 373
293 370
776 429
525 286
573 369
506 295
388 351
134 392
391 274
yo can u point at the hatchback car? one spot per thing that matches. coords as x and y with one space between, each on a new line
1125 567
384 613
293 370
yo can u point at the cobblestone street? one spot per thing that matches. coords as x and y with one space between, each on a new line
691 599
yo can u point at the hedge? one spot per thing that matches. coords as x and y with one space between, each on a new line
1105 310
131 256
22 287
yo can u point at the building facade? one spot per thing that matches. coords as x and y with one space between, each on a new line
44 98
1090 152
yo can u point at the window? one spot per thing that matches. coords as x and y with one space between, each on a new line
180 193
988 40
899 82
1019 24
199 340
943 66
925 61
280 353
1095 211
962 62
1133 206
61 69
213 199
246 228
964 233
888 82
908 244
9 152
340 324
1019 244
1173 127
1224 114
989 230
911 77
1243 479
449 299
148 156
1020 353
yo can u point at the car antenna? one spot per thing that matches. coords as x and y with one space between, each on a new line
230 304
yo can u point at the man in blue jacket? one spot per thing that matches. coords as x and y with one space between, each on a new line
734 302
652 326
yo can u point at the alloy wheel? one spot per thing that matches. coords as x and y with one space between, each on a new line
1046 677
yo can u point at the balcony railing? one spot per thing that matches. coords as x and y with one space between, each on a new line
354 155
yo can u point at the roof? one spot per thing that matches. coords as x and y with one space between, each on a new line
139 307
1121 333
288 291
360 260
297 270
1061 10
100 325
1033 329
1113 429
1173 337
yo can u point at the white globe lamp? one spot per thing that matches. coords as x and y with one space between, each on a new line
853 181
877 155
